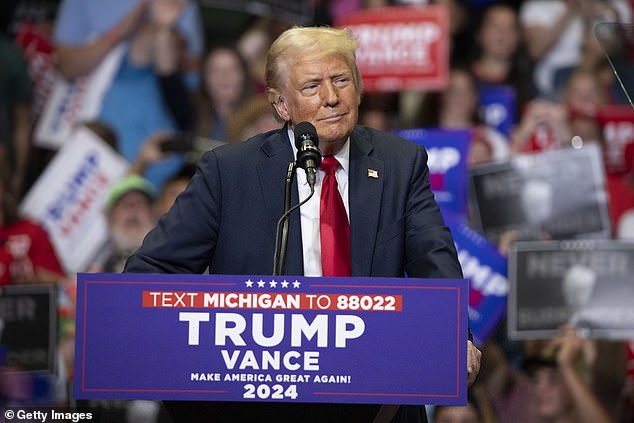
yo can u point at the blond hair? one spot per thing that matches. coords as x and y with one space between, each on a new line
313 42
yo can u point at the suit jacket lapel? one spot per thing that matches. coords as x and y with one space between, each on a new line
276 154
364 197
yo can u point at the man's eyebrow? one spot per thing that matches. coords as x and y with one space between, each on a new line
317 78
342 72
309 79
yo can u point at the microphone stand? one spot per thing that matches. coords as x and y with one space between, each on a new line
281 242
280 250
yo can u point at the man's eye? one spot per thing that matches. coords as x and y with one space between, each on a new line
310 89
342 81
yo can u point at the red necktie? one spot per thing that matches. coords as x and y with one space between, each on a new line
334 226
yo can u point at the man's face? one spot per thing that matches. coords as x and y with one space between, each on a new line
130 219
551 396
323 93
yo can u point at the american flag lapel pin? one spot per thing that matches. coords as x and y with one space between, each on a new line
373 173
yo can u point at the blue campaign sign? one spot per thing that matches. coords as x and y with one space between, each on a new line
486 269
447 150
499 104
300 339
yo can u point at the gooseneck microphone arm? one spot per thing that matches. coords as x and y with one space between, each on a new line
279 257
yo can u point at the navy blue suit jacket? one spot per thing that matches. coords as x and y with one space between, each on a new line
226 220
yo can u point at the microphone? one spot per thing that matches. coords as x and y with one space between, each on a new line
308 154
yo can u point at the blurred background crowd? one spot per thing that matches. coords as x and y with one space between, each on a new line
190 75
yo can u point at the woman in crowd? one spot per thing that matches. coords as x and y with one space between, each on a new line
499 59
225 87
548 125
457 107
584 96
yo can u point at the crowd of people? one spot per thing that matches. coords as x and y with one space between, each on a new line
176 83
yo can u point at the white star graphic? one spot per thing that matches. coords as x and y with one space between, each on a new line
284 284
249 283
261 283
296 284
273 284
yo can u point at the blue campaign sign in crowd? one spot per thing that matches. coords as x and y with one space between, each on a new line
481 261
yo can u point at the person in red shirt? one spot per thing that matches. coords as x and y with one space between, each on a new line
26 252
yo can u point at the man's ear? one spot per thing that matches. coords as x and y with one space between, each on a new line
281 109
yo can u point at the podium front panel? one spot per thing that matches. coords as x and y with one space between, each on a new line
264 338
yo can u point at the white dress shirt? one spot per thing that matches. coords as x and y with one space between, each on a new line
309 212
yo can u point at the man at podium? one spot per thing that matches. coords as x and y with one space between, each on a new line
372 212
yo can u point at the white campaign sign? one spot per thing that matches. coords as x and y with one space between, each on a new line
75 101
69 196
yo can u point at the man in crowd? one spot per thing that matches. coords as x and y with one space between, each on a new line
561 395
226 219
129 211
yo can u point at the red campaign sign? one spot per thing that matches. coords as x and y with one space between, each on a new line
618 133
401 48
543 139
37 47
